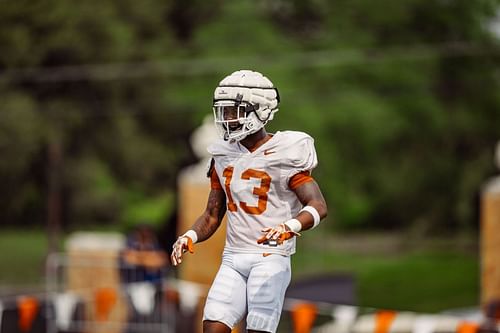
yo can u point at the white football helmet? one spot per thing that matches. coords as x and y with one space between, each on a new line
243 103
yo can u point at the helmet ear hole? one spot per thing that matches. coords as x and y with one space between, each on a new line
264 115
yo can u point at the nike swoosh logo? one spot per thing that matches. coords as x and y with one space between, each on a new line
268 152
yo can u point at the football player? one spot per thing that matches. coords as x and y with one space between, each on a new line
263 183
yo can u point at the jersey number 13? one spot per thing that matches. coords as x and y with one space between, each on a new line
260 191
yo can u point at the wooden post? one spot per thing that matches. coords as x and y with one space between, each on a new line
54 158
490 239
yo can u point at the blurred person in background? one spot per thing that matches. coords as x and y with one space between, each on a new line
263 182
143 259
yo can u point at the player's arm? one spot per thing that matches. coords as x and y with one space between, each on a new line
210 220
203 227
314 205
313 211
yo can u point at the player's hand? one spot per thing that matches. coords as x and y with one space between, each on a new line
181 245
279 233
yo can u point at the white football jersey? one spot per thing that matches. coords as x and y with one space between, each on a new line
257 190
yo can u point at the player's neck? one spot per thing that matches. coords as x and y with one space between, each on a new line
254 141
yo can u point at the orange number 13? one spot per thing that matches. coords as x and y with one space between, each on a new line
260 191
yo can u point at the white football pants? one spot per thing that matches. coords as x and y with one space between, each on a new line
249 282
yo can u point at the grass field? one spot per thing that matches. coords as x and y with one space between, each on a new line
394 272
390 270
22 259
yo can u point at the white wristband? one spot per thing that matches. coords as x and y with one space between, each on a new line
191 234
311 210
294 225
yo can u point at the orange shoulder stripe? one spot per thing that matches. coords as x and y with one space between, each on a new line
300 179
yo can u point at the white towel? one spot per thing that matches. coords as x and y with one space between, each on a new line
64 305
142 295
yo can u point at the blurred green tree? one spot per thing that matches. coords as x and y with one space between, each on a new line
122 140
404 106
401 97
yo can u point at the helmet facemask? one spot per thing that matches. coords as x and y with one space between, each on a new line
235 120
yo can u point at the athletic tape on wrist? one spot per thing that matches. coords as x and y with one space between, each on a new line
192 234
294 225
311 210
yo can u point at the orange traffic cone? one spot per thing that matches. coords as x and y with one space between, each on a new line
28 309
383 320
303 317
105 299
467 327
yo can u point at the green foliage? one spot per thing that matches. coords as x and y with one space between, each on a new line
21 133
96 193
114 135
150 210
402 99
